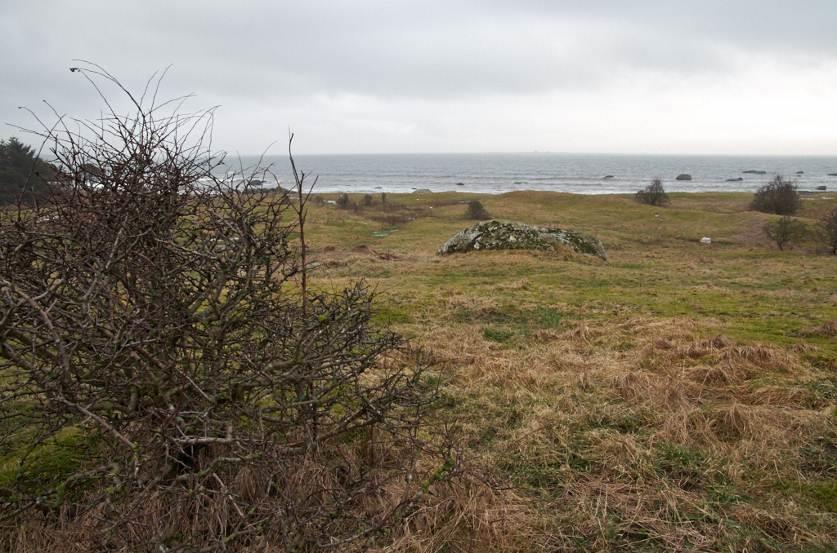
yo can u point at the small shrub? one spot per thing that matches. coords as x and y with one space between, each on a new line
829 226
784 230
367 200
476 211
343 201
653 194
780 196
383 198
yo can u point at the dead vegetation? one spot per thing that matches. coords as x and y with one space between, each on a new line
680 443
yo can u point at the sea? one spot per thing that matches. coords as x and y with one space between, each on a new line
497 173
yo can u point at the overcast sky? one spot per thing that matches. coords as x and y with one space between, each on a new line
359 76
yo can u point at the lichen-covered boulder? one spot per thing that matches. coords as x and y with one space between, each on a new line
502 235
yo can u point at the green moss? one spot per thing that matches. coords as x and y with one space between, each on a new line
825 388
821 494
385 315
495 334
686 466
725 494
547 317
625 423
44 469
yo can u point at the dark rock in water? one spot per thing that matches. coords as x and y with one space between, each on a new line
460 184
520 182
822 188
736 179
800 172
832 174
684 176
502 235
607 177
754 172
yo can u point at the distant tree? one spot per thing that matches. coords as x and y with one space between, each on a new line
780 196
829 225
784 230
653 194
476 211
23 176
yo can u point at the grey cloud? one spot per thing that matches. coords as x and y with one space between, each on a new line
418 48
265 52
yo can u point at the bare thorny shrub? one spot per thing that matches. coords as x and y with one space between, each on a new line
163 317
653 194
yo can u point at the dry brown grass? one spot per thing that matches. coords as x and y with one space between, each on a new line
636 449
457 514
663 414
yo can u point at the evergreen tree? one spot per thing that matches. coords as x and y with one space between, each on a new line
23 175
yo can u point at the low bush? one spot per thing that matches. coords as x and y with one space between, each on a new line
476 211
785 230
779 196
343 201
829 227
653 194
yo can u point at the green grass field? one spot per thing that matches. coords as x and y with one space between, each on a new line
677 397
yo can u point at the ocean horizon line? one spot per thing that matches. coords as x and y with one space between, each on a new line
540 152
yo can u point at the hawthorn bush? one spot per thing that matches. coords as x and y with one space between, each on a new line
158 320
